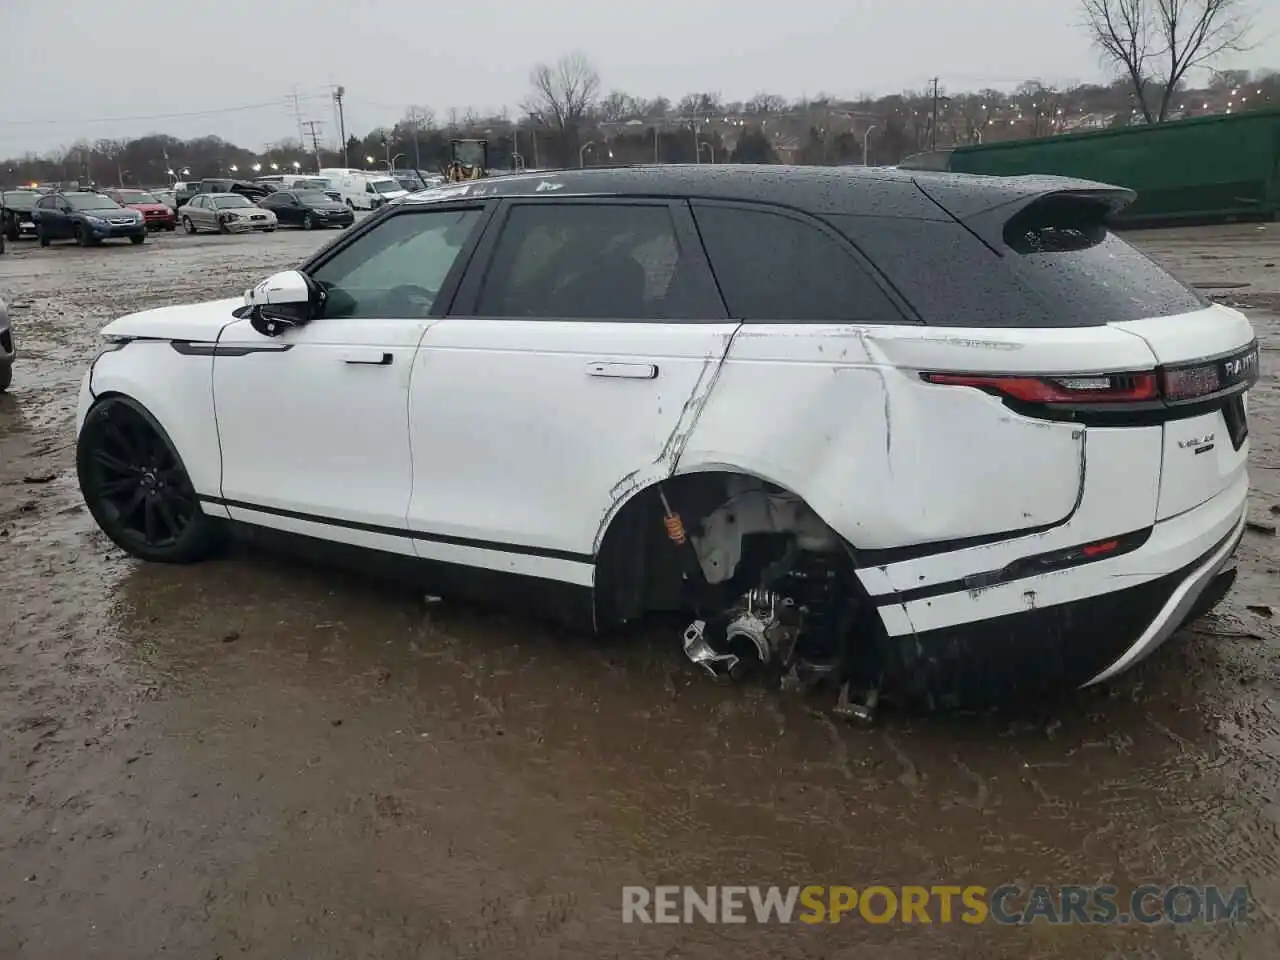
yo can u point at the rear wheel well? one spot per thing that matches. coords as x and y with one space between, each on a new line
639 569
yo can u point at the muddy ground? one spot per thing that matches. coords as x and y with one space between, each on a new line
251 758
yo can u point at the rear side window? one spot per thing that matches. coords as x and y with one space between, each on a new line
946 273
1065 251
604 261
1054 270
771 266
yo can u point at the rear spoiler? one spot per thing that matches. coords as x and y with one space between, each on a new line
986 216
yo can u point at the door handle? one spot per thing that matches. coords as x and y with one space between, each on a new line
623 371
368 358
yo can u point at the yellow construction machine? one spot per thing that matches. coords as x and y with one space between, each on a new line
468 160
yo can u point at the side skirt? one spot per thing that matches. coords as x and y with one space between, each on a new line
565 603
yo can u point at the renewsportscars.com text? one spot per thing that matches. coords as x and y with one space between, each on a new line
940 903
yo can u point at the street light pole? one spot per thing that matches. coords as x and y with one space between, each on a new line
582 153
866 139
711 148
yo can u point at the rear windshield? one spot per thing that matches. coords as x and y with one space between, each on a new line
19 199
1067 253
1052 273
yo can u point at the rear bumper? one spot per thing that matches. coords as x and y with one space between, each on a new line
1112 615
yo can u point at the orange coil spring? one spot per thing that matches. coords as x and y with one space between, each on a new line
675 528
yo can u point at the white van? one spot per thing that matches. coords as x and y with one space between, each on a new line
363 189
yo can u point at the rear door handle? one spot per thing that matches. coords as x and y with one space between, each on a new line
622 371
368 358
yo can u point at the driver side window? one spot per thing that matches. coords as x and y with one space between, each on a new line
396 270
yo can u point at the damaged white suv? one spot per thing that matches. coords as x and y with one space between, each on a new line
943 434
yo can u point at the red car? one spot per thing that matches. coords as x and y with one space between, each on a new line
157 215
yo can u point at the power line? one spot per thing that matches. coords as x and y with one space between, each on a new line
61 122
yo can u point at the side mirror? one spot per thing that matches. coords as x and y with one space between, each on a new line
283 301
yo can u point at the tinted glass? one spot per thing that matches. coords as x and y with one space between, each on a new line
397 269
579 261
774 267
1066 253
91 201
952 279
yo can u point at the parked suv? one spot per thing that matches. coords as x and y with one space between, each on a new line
15 213
8 351
87 218
945 434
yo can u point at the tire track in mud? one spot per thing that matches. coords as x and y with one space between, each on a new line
251 755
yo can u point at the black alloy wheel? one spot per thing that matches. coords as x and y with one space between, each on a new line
137 488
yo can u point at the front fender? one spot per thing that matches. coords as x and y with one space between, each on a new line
177 389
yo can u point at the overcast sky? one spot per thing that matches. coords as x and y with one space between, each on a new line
111 68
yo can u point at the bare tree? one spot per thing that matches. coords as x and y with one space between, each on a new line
563 92
765 103
1155 42
618 106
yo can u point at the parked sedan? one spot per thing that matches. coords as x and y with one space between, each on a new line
307 209
226 213
87 218
157 214
15 213
610 393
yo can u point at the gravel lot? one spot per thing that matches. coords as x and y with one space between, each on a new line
252 758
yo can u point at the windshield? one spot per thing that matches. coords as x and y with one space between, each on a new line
90 201
309 184
225 202
136 196
387 186
314 196
19 199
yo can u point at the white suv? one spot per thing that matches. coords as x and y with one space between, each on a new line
941 433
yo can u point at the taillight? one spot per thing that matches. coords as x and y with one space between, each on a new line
1173 385
1104 388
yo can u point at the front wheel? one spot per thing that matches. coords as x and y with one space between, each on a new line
188 226
6 377
136 487
79 236
138 239
308 223
43 238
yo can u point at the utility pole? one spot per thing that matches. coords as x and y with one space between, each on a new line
338 94
313 126
933 126
417 155
297 113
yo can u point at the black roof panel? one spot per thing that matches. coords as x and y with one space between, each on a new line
865 191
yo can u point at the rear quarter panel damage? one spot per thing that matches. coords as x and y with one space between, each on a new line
839 415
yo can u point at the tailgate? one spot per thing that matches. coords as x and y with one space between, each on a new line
1207 359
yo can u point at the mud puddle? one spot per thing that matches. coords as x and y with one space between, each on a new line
257 758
